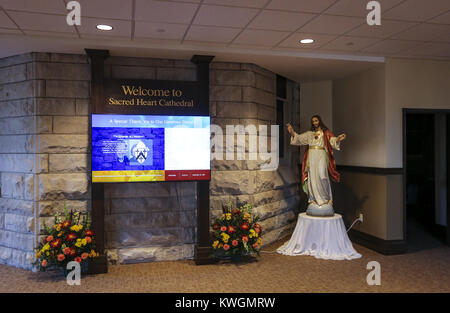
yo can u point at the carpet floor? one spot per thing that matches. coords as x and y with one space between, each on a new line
424 269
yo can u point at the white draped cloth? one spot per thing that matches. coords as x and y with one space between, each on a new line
321 237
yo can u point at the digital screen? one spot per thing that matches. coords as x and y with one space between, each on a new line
144 148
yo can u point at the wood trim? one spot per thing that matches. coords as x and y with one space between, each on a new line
448 179
97 58
202 249
370 170
386 247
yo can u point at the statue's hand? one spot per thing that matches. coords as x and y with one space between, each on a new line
341 137
290 129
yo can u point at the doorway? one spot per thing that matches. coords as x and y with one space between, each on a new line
426 178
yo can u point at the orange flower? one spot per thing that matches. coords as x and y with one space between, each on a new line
56 243
255 245
66 250
89 233
73 252
78 259
226 247
223 228
88 239
49 238
235 243
44 263
71 237
61 257
245 239
231 229
65 224
244 226
84 256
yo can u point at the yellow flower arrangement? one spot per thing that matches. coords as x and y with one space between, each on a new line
76 228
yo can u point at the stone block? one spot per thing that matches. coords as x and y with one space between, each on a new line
265 83
278 233
25 125
131 61
276 208
55 106
225 165
63 186
53 143
154 204
82 106
250 94
70 125
184 74
16 59
17 143
19 223
22 163
2 221
225 66
16 240
16 257
17 108
149 254
50 208
67 89
24 89
15 206
237 110
64 71
142 221
267 113
138 190
275 195
235 78
257 69
13 185
69 58
233 182
278 221
69 163
184 63
28 192
154 237
226 93
133 72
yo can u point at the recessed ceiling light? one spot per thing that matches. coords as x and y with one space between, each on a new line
307 40
104 27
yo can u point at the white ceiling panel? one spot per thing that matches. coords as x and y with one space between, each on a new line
430 49
358 7
159 30
441 19
391 46
418 10
347 43
5 21
10 31
424 32
293 41
51 34
314 6
212 34
164 11
330 24
38 6
278 20
113 9
120 28
41 22
239 3
386 29
224 16
260 37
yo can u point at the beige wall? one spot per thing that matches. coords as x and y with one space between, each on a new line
316 98
359 111
422 84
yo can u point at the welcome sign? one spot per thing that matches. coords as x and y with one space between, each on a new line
155 97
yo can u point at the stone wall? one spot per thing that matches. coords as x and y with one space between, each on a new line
45 157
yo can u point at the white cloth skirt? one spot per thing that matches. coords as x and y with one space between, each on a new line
321 237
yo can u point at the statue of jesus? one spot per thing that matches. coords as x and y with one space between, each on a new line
318 165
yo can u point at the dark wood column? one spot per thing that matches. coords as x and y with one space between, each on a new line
203 246
100 264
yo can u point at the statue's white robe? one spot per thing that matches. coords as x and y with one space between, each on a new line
319 187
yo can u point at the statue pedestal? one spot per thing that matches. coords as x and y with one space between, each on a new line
321 237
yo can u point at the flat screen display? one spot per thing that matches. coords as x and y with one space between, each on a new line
146 148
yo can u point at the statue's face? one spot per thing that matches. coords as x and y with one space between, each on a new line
315 122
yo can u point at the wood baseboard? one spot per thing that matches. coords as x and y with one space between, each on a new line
386 247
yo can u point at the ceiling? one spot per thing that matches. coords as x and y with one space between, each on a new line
265 32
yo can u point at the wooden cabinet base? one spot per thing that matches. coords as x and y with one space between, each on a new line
98 265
